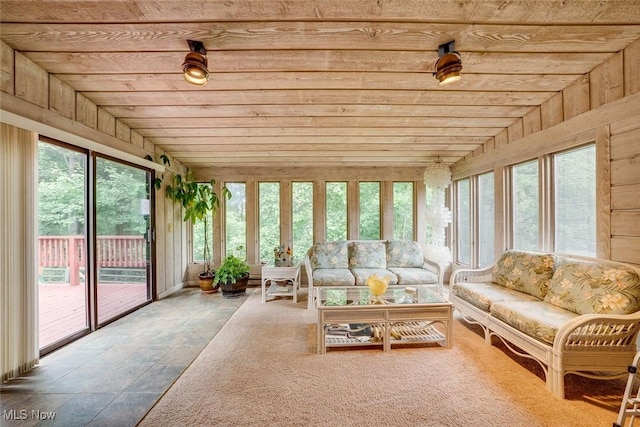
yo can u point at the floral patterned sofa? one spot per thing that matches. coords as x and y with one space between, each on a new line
351 262
573 315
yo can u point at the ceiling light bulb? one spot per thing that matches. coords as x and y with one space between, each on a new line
448 65
195 68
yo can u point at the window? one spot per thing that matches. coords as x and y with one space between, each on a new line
122 221
336 210
525 208
575 201
369 210
302 217
198 239
464 221
269 205
403 210
236 220
486 220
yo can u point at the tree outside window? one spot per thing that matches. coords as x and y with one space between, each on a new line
336 211
526 210
403 210
369 210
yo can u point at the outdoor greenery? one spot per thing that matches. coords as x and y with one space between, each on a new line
302 216
61 190
526 206
403 210
369 210
575 208
336 203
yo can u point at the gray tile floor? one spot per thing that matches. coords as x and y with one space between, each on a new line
113 376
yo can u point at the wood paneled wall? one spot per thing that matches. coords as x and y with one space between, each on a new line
625 189
602 107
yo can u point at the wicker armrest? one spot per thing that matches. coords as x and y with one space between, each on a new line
471 275
432 266
599 332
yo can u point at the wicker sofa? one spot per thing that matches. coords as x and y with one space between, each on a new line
573 315
351 262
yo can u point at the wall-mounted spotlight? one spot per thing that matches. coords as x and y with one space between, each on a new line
195 64
448 65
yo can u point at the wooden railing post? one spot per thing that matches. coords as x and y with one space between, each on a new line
73 260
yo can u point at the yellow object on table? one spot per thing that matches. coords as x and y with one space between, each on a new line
378 286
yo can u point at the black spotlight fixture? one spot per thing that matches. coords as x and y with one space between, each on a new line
195 64
448 65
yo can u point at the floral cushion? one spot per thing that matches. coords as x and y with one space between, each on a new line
586 287
527 272
362 274
404 253
535 318
329 255
414 276
333 277
484 295
367 255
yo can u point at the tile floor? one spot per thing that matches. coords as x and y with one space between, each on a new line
113 376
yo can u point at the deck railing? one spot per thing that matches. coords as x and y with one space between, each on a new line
111 251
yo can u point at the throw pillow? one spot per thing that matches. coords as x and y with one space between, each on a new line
367 255
586 287
523 271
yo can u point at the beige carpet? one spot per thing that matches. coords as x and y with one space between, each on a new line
262 369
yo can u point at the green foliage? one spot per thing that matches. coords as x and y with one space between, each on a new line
236 219
199 201
269 204
231 269
302 217
369 210
403 210
61 194
336 201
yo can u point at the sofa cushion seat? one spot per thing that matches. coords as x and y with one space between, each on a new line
484 295
537 319
333 277
362 274
413 276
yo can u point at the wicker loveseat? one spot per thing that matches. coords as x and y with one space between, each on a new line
573 315
351 262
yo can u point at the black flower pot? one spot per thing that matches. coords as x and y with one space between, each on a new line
230 290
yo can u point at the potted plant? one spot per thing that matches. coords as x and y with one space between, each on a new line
199 200
232 276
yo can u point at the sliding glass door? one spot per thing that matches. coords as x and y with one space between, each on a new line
62 288
122 251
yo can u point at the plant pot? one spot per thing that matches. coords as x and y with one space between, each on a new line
230 290
206 284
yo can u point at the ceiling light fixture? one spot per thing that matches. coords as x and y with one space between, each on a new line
195 64
448 65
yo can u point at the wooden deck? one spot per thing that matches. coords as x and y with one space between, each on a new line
63 309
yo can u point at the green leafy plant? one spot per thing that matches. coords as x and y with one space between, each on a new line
198 200
157 182
231 269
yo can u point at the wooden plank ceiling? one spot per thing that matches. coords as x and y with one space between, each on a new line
319 83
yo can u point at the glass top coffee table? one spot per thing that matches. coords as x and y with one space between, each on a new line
350 316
